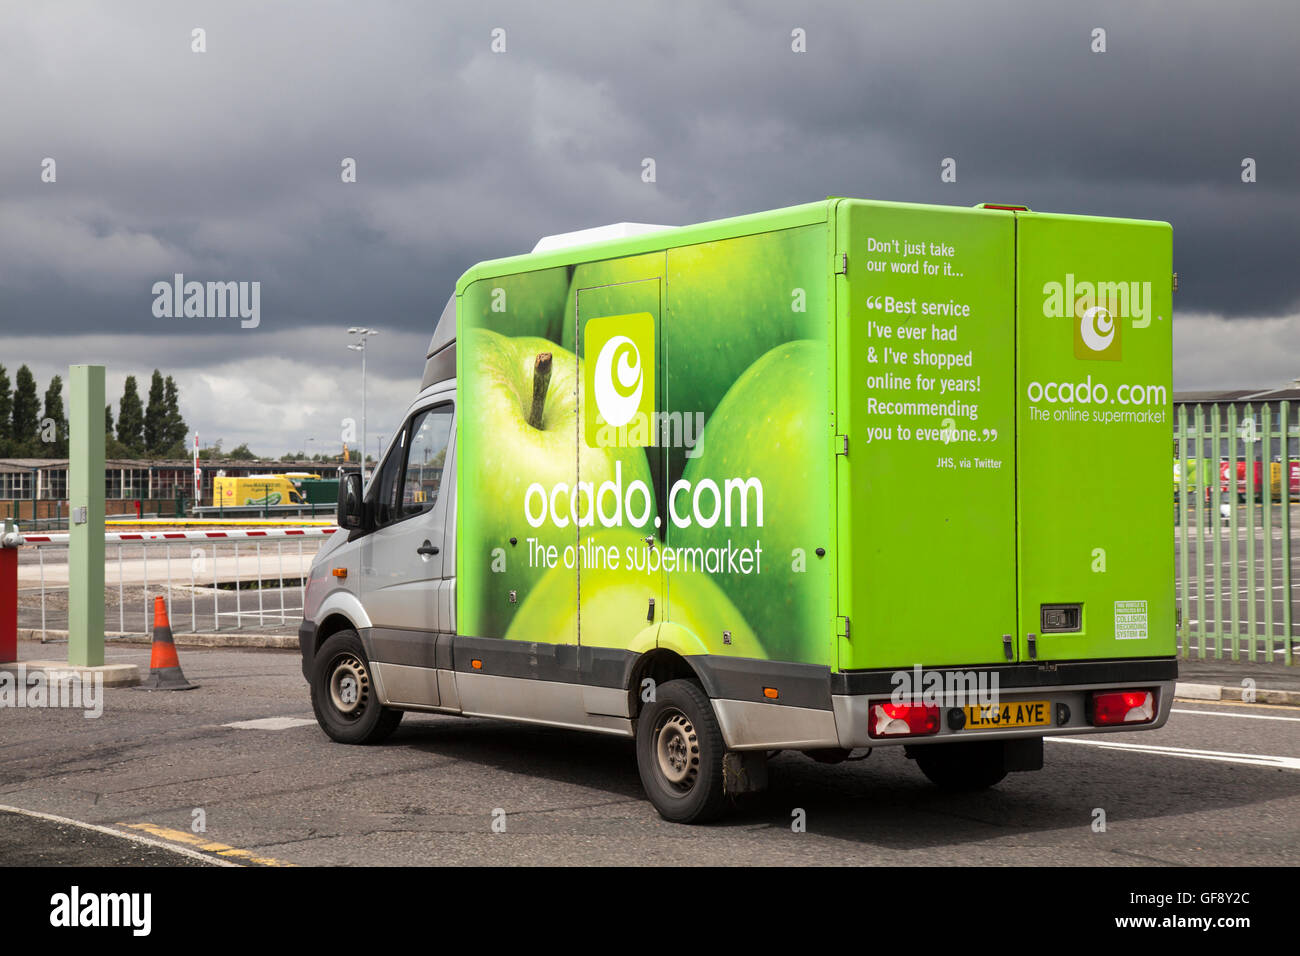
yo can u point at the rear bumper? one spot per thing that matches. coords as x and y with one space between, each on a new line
843 717
1067 706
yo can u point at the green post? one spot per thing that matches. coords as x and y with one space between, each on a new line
1266 518
1216 450
86 528
1184 495
1284 425
1202 466
1234 562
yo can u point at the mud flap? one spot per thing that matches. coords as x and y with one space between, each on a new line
1025 753
744 771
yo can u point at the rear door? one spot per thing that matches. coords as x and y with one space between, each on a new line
1094 396
925 445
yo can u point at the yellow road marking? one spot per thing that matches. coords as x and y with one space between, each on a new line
202 843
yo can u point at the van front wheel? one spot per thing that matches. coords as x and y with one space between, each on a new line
973 765
679 751
343 694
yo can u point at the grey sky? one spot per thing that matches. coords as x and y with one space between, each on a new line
225 165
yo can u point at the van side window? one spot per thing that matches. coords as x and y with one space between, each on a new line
426 454
388 483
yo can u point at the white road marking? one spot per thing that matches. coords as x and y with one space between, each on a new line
1255 760
1219 713
132 837
270 723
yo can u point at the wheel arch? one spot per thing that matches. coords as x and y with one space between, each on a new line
659 665
331 625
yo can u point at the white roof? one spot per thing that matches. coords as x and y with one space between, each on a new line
582 237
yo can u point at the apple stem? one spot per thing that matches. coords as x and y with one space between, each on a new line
541 382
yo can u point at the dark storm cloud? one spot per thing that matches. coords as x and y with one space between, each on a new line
230 158
225 165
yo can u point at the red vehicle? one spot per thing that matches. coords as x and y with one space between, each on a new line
1275 479
1241 477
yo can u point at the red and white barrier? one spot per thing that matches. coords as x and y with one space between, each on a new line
113 537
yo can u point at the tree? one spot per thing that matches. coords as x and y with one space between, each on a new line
130 418
155 415
26 413
112 447
6 412
54 424
212 452
241 453
174 426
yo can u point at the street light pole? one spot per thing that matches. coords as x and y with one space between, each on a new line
360 346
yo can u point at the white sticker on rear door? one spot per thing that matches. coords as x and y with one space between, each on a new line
1130 620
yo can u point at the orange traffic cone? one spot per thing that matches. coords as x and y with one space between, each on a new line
164 666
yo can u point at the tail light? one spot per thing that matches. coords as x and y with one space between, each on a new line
1111 707
889 719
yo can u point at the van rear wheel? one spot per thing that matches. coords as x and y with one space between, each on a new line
343 694
679 751
973 765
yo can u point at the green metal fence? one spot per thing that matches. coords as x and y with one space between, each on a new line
1237 478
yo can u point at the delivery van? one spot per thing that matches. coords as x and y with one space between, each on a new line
246 490
803 480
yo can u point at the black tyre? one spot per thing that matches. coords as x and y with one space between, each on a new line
679 751
343 693
967 766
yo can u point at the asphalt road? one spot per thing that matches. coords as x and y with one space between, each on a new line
428 795
34 841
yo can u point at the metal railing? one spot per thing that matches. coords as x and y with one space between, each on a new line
1236 482
213 563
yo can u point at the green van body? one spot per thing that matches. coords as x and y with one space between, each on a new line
871 364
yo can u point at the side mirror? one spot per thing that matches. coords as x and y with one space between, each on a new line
351 508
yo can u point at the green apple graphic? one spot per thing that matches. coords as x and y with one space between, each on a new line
527 303
614 602
602 275
734 300
772 425
521 422
700 606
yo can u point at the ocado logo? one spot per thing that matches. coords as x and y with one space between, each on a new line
618 378
1099 309
1097 329
618 381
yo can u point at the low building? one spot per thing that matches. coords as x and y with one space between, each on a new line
38 487
1256 415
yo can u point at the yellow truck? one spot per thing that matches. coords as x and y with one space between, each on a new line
256 490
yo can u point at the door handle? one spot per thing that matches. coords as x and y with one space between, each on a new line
427 548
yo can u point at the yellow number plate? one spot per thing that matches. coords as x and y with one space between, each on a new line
1021 713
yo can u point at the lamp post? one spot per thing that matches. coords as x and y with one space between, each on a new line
360 346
